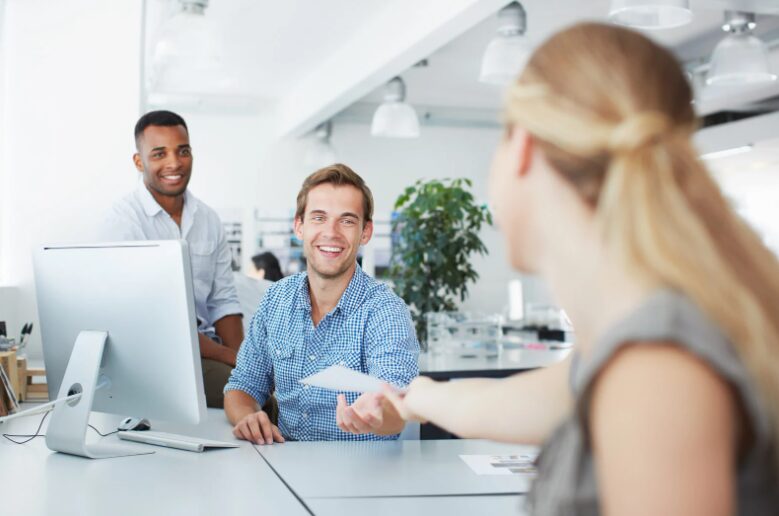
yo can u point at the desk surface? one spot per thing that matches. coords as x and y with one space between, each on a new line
420 506
36 480
390 468
345 478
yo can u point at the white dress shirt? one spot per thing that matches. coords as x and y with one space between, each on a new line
138 216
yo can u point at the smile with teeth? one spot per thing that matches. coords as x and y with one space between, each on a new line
329 250
172 178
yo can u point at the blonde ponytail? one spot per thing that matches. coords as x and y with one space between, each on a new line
628 151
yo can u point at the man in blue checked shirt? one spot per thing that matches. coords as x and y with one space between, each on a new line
333 313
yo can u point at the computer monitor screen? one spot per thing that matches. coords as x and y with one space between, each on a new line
141 294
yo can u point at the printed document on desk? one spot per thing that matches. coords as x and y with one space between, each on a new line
340 378
520 464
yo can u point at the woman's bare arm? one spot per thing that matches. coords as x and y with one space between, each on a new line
523 408
664 435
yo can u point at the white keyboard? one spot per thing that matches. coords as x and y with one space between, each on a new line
181 442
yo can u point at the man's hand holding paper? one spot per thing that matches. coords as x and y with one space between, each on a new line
370 413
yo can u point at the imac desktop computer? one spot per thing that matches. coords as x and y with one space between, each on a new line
119 329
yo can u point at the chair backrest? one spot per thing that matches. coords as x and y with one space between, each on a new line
250 292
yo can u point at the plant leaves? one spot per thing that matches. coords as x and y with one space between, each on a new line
434 235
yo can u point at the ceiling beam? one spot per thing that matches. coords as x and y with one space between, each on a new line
737 134
399 36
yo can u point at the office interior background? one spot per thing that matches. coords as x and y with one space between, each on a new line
76 74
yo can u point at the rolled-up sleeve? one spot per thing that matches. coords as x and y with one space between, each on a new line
253 372
392 349
223 298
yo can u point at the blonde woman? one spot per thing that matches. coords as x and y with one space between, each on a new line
670 405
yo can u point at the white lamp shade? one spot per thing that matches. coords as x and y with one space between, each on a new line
188 57
320 154
503 60
395 120
651 14
739 59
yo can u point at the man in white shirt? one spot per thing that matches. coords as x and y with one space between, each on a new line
161 208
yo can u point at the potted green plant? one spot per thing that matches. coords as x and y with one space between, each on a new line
435 233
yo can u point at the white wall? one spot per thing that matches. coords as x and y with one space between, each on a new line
227 150
70 100
8 312
3 171
749 175
388 166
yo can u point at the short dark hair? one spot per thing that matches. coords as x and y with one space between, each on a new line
270 264
337 174
161 117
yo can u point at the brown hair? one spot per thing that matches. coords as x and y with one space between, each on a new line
612 113
337 174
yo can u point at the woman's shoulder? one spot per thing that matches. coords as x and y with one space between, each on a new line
669 318
668 352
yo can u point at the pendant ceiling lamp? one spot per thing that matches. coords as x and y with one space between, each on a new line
395 118
508 51
651 14
188 55
740 58
321 153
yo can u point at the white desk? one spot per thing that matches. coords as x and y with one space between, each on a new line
37 481
390 468
444 367
409 478
494 505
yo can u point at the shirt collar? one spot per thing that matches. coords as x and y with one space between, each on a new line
304 300
352 296
188 213
151 207
350 299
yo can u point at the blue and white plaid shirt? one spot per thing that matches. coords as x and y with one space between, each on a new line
370 331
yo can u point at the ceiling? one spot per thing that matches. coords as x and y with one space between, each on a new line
276 46
451 77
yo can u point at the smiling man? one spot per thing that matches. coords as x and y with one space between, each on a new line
333 313
161 208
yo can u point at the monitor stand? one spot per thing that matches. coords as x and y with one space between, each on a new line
69 420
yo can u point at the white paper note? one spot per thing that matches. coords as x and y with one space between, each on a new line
340 378
521 464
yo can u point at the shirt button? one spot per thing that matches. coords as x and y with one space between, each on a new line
278 352
306 387
312 357
305 415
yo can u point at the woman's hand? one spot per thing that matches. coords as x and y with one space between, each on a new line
411 404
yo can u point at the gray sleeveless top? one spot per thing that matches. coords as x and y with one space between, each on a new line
567 484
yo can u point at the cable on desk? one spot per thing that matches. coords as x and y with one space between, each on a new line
29 437
101 434
38 433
